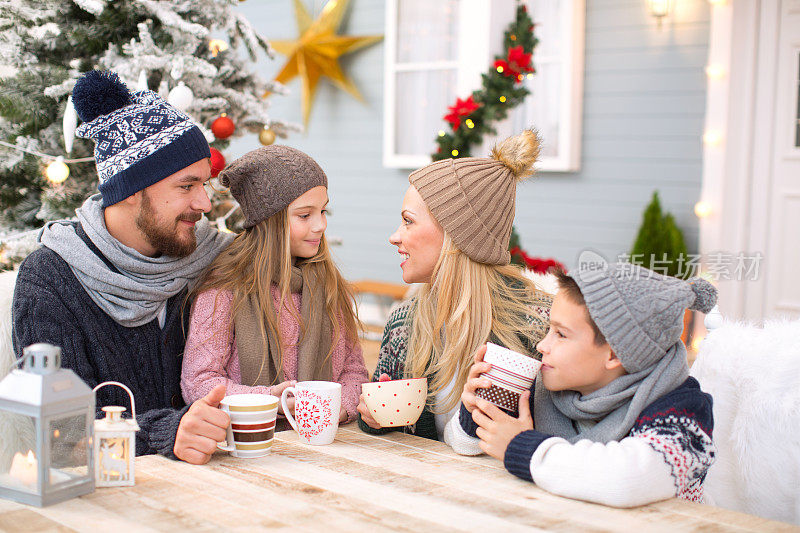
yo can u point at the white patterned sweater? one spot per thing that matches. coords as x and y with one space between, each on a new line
666 454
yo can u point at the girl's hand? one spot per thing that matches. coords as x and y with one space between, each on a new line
362 407
342 415
475 381
277 390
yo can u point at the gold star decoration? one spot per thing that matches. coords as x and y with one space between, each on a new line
316 51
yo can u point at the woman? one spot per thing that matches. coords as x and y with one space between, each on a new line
457 216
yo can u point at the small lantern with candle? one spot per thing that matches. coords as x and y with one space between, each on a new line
50 412
115 444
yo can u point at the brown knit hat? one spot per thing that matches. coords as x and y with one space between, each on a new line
473 197
268 179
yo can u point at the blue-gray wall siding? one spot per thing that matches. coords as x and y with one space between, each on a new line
643 111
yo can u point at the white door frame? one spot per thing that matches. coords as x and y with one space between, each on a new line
738 152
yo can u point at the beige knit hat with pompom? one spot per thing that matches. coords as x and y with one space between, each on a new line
473 197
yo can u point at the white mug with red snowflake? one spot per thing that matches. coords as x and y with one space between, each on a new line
316 410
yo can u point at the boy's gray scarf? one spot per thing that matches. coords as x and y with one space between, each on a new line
614 407
136 293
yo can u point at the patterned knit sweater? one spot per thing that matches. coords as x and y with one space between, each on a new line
392 358
666 454
50 305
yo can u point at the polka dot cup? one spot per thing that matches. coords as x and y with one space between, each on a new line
512 374
396 403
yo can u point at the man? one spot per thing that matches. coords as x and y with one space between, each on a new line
110 290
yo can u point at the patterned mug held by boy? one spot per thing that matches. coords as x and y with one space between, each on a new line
316 410
512 374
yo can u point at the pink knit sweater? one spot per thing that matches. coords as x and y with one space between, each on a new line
210 357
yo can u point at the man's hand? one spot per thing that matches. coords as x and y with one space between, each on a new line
362 407
201 428
497 429
475 381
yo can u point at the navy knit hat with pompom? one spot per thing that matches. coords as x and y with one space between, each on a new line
139 138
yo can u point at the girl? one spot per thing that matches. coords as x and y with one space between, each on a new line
273 308
457 217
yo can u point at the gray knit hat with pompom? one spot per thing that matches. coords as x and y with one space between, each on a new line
640 312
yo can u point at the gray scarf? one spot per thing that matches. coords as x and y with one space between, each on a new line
612 409
138 292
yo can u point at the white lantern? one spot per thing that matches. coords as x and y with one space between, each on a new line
48 414
115 444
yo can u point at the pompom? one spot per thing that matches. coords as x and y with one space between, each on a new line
705 295
519 153
99 93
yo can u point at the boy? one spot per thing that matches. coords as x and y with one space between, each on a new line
617 418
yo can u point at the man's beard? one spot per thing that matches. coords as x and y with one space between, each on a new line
166 240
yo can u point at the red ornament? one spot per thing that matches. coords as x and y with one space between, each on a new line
217 162
462 108
223 127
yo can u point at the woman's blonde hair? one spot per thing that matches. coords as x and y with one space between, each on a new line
466 303
260 256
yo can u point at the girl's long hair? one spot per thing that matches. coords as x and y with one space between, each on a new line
261 254
456 313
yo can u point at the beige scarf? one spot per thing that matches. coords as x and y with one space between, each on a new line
314 344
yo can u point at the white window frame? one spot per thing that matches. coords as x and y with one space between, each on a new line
481 27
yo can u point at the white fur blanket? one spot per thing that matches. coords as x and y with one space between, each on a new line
753 373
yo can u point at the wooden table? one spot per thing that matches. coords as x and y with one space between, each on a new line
359 483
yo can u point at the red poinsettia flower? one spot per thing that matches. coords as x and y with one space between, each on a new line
516 63
537 264
502 64
519 60
462 108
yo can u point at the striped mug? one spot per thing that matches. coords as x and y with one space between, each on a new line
252 426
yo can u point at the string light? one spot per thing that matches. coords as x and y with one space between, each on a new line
57 172
712 137
512 37
715 71
441 133
530 75
45 156
696 344
216 46
500 69
455 153
469 123
502 99
702 209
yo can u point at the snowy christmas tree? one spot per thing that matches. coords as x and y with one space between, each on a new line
196 54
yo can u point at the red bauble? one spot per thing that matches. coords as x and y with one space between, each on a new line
223 127
217 162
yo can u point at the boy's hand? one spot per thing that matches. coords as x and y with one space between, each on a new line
497 429
475 381
362 407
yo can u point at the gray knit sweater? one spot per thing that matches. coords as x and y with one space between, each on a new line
50 305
